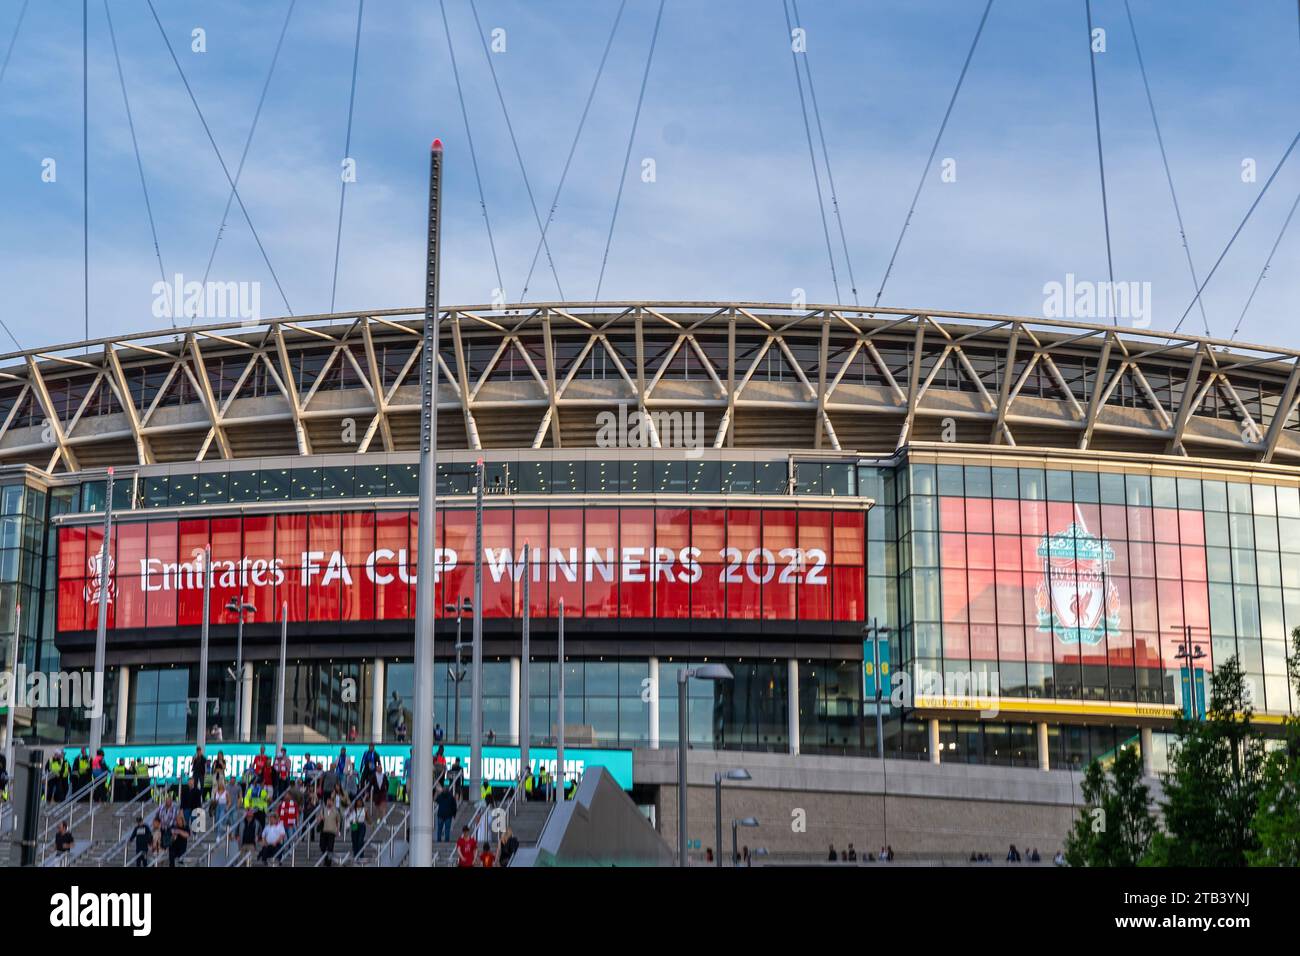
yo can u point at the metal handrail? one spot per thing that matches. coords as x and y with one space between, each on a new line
299 832
394 832
122 841
379 825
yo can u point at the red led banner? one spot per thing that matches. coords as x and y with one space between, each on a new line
701 563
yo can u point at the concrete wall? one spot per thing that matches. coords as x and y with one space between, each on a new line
929 811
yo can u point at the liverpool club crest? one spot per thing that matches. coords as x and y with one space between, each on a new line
1077 600
100 582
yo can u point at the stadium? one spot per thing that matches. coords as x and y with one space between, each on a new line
1053 529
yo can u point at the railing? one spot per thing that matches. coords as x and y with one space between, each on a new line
393 834
300 832
77 813
123 842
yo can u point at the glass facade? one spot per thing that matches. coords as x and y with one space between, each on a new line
1087 586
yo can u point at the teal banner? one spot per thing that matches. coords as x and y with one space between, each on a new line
172 762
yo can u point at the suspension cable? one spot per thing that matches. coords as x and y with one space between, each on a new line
515 143
1269 261
1262 272
812 155
9 52
212 140
248 142
573 147
1164 158
1101 167
139 163
347 151
85 169
961 77
4 67
631 137
473 154
1237 231
826 159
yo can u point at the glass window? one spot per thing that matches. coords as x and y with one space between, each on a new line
1215 494
951 480
183 490
403 480
214 487
153 492
769 477
670 477
243 485
568 477
306 483
738 478
1139 490
336 482
1060 486
808 477
1112 488
371 481
705 477
273 484
1189 493
979 483
1086 488
1033 484
1164 492
533 477
837 479
1005 483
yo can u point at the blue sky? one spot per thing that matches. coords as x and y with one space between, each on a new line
732 213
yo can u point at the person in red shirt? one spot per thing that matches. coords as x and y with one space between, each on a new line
289 812
465 848
487 857
260 766
282 768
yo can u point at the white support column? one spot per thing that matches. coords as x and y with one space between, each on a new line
514 699
793 694
377 702
933 723
1148 753
246 708
654 703
123 701
1044 756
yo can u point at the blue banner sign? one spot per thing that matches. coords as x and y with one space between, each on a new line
172 762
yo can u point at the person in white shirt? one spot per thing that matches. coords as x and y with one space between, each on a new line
272 838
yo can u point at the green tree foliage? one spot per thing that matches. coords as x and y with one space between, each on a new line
1116 825
1215 783
1277 821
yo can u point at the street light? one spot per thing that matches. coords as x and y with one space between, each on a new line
743 822
467 607
876 632
241 607
1190 650
737 774
713 672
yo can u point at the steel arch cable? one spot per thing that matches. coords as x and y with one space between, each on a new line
514 142
85 167
1164 159
812 154
473 154
139 163
961 77
1262 272
631 138
826 160
9 52
248 142
347 151
1101 166
573 147
1237 231
212 140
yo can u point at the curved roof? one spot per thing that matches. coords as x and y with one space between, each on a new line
536 375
